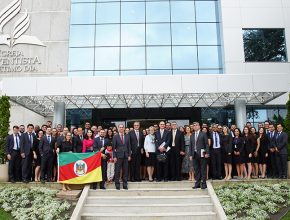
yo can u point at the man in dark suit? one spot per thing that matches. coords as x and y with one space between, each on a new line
272 134
137 146
198 152
100 144
13 155
46 148
177 149
78 141
163 139
121 154
282 152
28 140
215 153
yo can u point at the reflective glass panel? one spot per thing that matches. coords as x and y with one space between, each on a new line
108 12
82 35
183 34
159 57
158 34
206 11
207 34
81 58
133 12
182 11
133 34
184 57
208 57
157 11
132 58
107 58
83 13
108 35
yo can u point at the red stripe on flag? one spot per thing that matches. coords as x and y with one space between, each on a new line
67 171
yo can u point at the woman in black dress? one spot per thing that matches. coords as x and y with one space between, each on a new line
255 155
249 144
66 146
37 157
263 142
227 150
238 147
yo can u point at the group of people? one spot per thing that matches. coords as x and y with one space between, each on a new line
162 152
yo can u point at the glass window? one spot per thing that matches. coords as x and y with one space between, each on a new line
133 34
182 11
264 45
157 12
159 57
107 58
82 35
83 13
108 12
133 12
207 33
81 58
208 57
132 58
158 34
206 11
108 35
184 57
183 34
159 72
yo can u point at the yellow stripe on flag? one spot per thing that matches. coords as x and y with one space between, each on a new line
91 177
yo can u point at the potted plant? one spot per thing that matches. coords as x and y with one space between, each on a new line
4 129
287 129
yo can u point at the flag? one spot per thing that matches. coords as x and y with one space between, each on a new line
79 168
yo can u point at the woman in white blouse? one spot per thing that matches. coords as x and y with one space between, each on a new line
150 149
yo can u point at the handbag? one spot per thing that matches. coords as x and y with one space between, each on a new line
161 157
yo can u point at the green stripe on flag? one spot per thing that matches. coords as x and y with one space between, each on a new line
67 157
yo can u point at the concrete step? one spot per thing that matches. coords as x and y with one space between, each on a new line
110 200
150 216
146 184
155 208
148 192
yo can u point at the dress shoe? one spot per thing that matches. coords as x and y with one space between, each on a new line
125 187
117 187
102 187
165 180
133 180
203 186
25 181
196 187
42 181
158 180
12 181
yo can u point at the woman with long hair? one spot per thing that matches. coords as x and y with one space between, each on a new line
37 157
263 142
88 142
255 154
150 149
65 146
205 129
238 147
249 144
187 164
227 150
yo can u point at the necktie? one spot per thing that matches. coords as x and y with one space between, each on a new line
271 135
161 133
17 142
195 140
122 138
102 139
30 140
173 139
137 136
215 138
48 138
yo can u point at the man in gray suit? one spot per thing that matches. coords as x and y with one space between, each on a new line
281 149
121 155
199 152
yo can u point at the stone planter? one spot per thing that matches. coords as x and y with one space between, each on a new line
288 169
4 173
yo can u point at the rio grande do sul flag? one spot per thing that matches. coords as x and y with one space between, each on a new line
79 168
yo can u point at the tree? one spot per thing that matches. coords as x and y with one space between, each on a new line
287 125
4 124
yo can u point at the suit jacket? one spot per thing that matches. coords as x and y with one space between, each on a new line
272 141
201 143
282 142
179 140
46 148
212 139
134 141
77 144
10 143
121 150
26 147
166 138
98 144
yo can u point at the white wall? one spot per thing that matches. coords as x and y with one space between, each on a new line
239 14
20 115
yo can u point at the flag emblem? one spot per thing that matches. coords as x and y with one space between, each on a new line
80 168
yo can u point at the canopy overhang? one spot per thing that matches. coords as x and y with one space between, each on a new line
40 93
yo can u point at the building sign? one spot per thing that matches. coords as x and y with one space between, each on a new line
12 60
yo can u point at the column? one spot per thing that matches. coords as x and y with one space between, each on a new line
59 114
241 113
